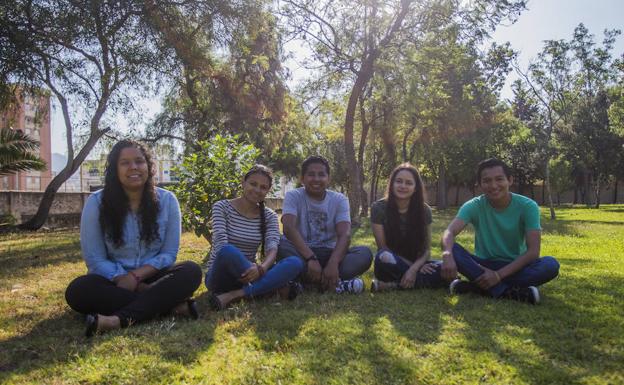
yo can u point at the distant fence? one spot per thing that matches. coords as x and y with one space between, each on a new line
22 205
67 206
66 209
608 195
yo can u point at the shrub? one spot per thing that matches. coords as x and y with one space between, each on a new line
208 175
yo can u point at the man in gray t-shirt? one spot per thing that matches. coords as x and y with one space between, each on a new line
316 220
317 228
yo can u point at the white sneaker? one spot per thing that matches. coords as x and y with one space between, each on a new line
353 286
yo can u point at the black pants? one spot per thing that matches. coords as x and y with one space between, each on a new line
93 293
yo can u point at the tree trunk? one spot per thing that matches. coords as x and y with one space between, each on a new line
548 192
615 191
41 216
597 189
73 163
363 137
587 189
457 194
354 182
441 193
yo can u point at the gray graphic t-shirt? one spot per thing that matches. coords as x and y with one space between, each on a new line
316 220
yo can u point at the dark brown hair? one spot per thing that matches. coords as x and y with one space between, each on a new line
414 242
115 205
266 171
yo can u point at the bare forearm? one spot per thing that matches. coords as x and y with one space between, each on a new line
269 260
448 240
342 245
297 240
418 263
145 271
517 264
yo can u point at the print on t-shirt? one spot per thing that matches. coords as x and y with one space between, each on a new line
318 226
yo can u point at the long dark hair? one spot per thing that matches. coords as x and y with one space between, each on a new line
266 171
115 205
415 241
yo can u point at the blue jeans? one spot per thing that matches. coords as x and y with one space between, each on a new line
230 263
535 273
393 272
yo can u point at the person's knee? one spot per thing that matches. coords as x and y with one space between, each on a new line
364 258
76 290
459 253
364 254
192 272
227 250
551 266
385 256
295 263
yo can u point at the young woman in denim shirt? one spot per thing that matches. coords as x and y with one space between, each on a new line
130 235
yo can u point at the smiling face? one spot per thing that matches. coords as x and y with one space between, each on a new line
256 187
315 180
403 185
132 169
495 184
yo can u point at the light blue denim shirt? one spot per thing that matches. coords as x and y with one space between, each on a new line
103 258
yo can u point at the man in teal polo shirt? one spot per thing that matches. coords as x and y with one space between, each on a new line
507 241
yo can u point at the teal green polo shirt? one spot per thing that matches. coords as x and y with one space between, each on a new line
501 234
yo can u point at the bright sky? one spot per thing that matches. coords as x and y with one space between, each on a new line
544 20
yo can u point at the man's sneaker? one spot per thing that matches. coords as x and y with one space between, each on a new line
462 287
353 286
377 285
523 294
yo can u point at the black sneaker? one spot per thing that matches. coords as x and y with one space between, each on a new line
352 286
523 294
462 287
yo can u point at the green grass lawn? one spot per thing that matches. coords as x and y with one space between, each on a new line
576 335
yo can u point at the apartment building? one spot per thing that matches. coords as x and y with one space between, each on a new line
30 114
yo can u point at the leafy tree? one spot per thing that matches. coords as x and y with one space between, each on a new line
590 137
208 175
90 55
550 80
17 152
238 90
349 40
98 57
454 88
561 172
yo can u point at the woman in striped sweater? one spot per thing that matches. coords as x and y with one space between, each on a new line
239 227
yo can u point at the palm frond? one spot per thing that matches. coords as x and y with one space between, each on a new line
17 152
16 140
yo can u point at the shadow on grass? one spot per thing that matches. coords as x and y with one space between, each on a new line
20 253
559 341
60 340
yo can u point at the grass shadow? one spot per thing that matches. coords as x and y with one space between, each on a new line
561 341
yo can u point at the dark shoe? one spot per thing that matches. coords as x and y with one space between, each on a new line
294 289
91 321
377 286
462 287
351 286
192 308
523 294
215 303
